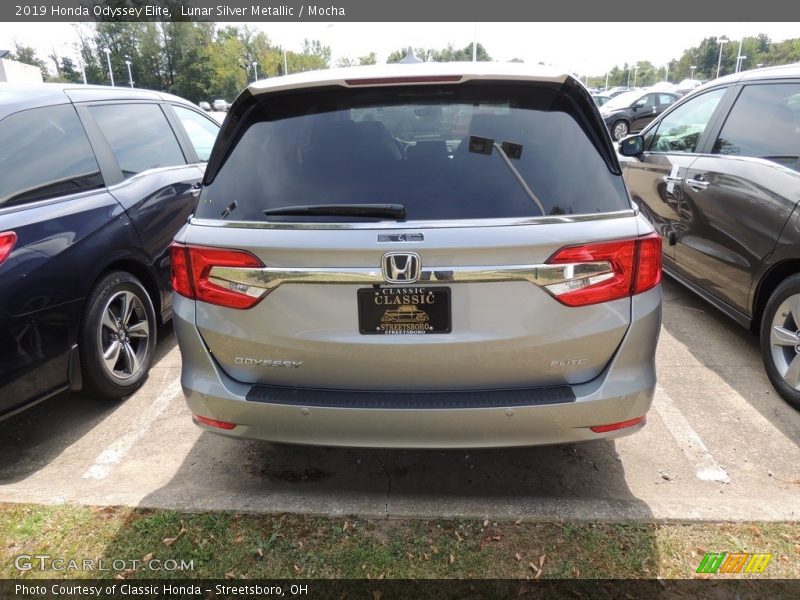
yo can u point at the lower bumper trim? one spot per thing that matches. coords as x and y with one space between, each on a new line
411 400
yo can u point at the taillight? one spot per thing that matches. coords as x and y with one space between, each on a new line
192 269
648 263
7 241
634 267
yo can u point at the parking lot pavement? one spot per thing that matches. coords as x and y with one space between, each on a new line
719 444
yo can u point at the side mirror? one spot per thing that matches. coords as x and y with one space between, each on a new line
632 146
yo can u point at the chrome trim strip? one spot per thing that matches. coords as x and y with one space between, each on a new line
439 224
257 283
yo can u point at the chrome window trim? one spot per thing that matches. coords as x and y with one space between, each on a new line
434 224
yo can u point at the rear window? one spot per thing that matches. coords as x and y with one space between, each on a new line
411 146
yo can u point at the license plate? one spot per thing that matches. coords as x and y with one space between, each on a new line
404 311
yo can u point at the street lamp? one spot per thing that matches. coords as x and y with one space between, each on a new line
693 67
130 77
635 74
285 63
255 71
108 58
722 41
740 62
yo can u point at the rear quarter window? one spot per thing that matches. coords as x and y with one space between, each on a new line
410 146
44 153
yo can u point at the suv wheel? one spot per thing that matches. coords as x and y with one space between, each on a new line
780 340
117 336
619 130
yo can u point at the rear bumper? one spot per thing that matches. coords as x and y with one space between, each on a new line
623 391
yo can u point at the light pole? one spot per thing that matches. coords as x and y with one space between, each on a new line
666 73
108 58
255 71
693 67
722 41
285 63
606 81
740 62
130 77
635 74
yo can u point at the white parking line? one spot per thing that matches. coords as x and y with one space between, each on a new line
116 451
689 442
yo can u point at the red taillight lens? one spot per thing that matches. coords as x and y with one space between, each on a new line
648 263
191 268
181 272
7 241
213 422
635 265
616 426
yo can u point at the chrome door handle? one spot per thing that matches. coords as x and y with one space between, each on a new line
670 179
697 184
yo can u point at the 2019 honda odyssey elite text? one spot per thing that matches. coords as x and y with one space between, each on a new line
485 199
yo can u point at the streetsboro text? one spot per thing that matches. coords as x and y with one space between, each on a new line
256 10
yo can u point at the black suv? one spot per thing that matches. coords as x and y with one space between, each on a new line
632 111
95 183
719 177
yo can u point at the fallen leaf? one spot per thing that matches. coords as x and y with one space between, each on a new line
797 548
518 521
458 536
541 560
576 572
346 525
518 556
434 550
230 575
298 569
426 556
260 552
147 558
168 541
486 523
238 539
533 567
410 556
538 574
496 538
452 559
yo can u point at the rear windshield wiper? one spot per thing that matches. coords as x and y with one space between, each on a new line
372 211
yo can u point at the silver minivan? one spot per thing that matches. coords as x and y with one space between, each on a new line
419 256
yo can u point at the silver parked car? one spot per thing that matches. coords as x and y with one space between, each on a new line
433 255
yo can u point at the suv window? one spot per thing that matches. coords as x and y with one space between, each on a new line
665 99
681 129
201 130
139 135
764 123
45 153
410 146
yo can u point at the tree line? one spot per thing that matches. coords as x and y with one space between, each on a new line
758 51
200 61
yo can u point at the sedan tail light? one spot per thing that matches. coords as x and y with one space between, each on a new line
191 275
634 266
7 241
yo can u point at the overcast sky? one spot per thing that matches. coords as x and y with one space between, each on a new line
586 48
